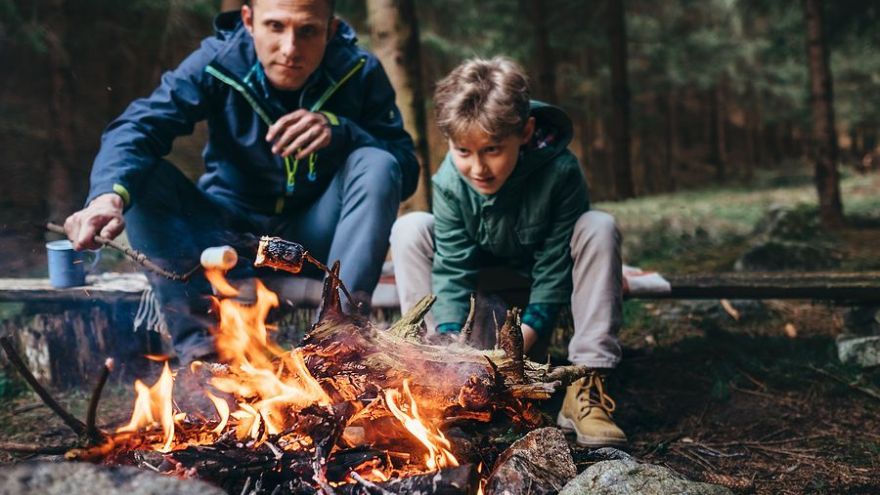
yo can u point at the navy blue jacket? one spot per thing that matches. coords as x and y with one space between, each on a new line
223 82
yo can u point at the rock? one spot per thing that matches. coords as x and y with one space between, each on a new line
538 463
628 476
74 478
780 255
862 320
862 351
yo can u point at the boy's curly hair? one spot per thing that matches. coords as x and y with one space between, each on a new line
490 95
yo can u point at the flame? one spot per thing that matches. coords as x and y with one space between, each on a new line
152 405
222 410
438 454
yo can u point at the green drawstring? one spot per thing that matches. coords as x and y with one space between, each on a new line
313 160
291 173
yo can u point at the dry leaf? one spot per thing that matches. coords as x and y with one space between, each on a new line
730 309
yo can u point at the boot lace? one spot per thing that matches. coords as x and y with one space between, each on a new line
592 394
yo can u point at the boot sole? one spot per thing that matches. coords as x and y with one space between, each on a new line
568 425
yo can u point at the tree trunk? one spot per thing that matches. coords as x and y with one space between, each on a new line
669 139
227 5
543 52
718 132
623 181
61 152
394 32
824 145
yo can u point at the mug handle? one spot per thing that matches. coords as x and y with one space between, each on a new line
97 254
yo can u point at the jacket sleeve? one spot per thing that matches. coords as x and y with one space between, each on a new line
454 274
380 125
551 273
133 142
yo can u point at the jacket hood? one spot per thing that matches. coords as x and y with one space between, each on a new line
553 133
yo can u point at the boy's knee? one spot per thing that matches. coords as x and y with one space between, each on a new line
411 229
595 226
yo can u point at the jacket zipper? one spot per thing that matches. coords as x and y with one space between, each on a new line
290 167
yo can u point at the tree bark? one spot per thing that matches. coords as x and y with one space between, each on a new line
227 5
543 52
620 152
718 132
824 143
394 32
61 152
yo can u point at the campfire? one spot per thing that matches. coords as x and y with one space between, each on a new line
354 409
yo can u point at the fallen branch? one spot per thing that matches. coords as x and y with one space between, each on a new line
76 425
92 430
870 392
26 448
132 254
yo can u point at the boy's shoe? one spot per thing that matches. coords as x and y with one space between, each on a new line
587 412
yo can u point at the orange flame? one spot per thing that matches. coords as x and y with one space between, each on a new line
438 454
153 405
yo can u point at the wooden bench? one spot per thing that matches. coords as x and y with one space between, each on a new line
64 334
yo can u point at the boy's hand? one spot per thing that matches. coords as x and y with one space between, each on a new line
301 132
103 216
530 336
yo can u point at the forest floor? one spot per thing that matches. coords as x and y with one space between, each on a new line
759 403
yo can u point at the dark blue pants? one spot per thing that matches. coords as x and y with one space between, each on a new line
172 222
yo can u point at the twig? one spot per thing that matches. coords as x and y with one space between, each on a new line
26 448
132 254
870 392
468 327
311 259
91 418
76 425
368 484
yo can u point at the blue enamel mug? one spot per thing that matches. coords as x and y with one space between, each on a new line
68 267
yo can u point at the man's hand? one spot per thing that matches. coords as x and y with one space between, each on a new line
301 133
103 216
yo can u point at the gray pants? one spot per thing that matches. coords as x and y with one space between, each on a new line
596 301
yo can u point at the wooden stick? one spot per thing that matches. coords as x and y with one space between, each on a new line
468 327
26 448
91 418
132 254
76 425
369 484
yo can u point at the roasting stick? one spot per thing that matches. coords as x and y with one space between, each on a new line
280 254
134 255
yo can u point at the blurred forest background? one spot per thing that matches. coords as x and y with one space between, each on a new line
665 95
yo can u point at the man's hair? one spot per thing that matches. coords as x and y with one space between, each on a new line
330 3
489 95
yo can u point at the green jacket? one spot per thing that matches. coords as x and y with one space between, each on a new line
526 225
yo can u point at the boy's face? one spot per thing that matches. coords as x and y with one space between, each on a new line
485 162
290 37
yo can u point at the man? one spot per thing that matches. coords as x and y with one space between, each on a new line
305 142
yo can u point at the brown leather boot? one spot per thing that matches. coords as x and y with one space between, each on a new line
587 411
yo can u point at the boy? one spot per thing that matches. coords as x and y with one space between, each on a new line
509 193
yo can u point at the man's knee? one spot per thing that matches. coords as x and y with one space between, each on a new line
412 229
377 169
595 227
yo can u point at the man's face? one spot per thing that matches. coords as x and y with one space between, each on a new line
290 37
486 162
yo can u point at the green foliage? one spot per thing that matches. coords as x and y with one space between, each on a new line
10 385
